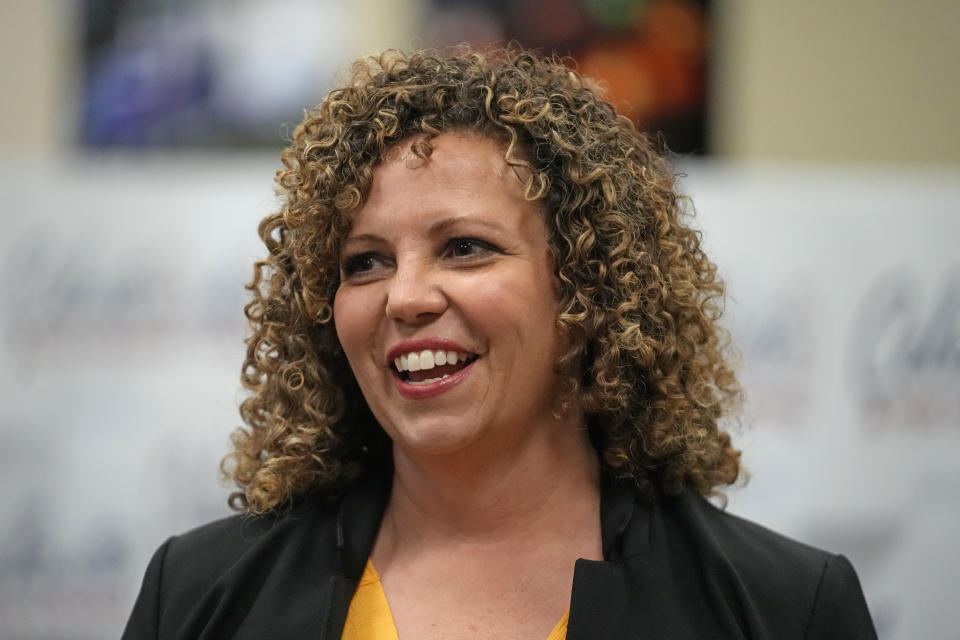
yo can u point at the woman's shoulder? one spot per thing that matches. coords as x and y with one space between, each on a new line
197 581
738 539
228 540
766 577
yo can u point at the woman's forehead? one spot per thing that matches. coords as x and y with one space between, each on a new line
464 177
456 152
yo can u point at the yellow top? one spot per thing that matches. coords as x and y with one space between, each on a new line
369 616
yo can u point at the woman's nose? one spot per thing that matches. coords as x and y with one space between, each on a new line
414 295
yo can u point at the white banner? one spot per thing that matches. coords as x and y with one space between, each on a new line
122 328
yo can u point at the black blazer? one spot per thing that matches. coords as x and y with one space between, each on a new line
676 569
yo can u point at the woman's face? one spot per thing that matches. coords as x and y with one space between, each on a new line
447 304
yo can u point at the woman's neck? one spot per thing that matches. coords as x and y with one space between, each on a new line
548 486
487 538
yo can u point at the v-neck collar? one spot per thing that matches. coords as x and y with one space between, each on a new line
599 587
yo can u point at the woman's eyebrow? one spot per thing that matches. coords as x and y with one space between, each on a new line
437 228
363 237
443 225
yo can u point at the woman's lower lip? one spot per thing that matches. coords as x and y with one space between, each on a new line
421 391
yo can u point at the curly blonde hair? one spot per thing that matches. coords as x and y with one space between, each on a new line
639 299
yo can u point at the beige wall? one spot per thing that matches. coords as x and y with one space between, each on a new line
36 75
838 80
870 81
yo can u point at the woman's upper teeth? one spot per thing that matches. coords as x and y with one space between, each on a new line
428 359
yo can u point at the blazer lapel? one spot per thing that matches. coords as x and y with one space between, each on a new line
604 601
358 521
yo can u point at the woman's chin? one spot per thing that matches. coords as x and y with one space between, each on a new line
434 440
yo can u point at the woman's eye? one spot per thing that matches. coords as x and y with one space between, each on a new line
468 247
360 264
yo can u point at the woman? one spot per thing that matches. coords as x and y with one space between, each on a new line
486 380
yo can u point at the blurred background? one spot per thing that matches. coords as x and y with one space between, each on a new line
138 142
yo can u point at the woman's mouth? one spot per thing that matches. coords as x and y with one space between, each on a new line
429 366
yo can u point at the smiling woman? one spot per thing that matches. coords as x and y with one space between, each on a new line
452 257
486 384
